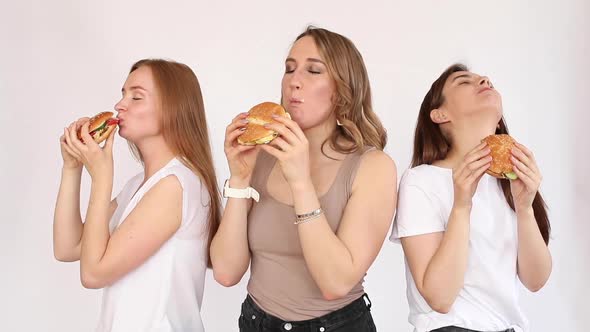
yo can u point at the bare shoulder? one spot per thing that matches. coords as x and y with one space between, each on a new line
170 182
378 156
376 166
377 161
161 204
166 188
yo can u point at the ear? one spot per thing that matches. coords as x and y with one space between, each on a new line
439 116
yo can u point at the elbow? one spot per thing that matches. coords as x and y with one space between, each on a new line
332 295
439 303
60 257
439 295
66 253
440 306
226 273
63 256
335 292
226 279
91 280
90 283
536 282
535 286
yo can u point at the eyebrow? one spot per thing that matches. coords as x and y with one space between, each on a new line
308 59
135 87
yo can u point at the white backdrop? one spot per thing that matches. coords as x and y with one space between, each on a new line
60 60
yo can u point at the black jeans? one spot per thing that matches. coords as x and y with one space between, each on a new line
355 317
460 329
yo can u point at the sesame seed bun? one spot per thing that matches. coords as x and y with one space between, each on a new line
500 146
101 126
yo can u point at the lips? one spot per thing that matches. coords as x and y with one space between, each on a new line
112 121
484 90
295 103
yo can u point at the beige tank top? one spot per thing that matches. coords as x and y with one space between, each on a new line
280 282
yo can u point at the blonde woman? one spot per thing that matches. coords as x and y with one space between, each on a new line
327 197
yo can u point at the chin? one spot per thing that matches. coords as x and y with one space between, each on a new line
295 116
303 125
121 131
123 134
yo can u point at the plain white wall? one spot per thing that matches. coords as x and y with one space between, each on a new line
60 60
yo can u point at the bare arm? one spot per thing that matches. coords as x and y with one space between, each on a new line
438 261
154 220
104 258
337 262
67 221
534 258
230 253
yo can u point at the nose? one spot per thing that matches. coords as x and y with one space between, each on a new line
121 106
484 80
295 81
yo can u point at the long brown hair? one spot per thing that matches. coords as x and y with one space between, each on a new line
352 103
184 127
431 145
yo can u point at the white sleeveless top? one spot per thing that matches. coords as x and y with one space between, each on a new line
163 294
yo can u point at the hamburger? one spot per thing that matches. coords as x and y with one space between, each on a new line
258 116
501 146
101 126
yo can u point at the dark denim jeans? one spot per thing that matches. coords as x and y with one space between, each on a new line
460 329
355 317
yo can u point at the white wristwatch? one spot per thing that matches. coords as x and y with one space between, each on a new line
248 192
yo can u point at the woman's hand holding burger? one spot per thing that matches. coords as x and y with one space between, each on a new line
525 187
80 142
71 160
291 149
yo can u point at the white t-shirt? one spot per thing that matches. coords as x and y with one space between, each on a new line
164 294
488 300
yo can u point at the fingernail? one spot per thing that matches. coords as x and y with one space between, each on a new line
244 121
242 129
274 116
